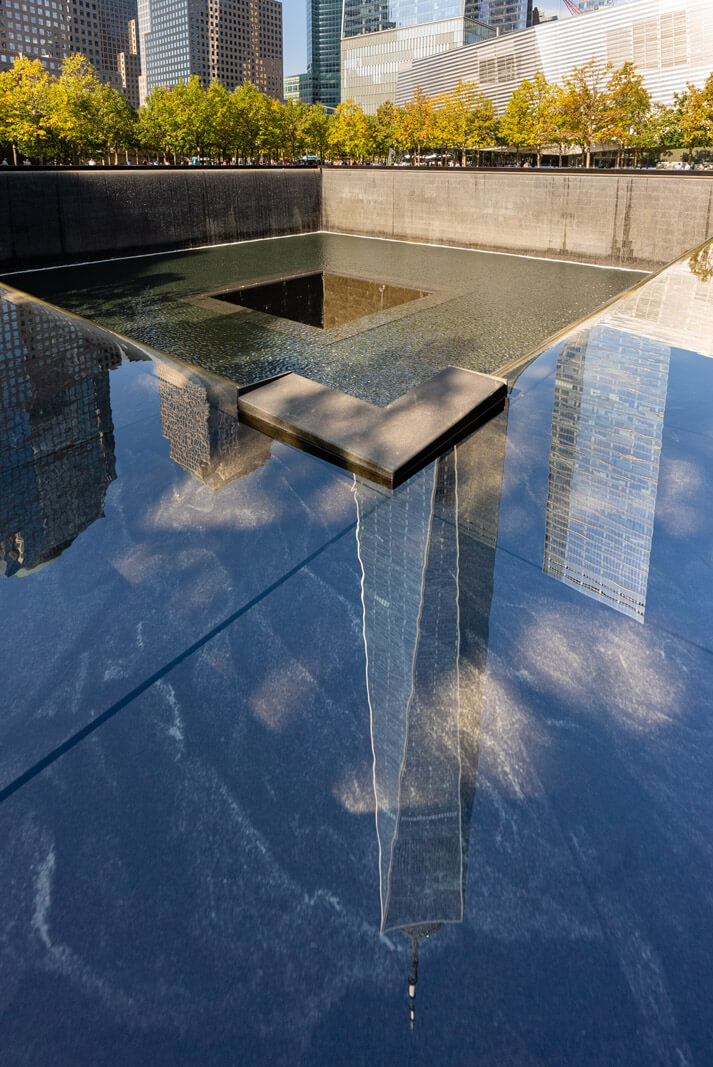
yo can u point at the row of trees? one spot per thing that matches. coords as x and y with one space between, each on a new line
74 116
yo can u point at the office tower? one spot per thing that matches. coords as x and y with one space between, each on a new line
324 29
296 87
505 16
381 40
231 41
199 418
607 421
102 30
57 457
670 48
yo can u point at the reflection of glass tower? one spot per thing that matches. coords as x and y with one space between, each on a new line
200 420
56 433
408 548
610 395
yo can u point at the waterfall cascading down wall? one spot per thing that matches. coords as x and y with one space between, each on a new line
60 216
640 221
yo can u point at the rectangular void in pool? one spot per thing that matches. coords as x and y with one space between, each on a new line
322 299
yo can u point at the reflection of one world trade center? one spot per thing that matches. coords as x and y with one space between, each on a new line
57 455
408 548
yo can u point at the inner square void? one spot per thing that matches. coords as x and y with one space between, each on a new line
321 298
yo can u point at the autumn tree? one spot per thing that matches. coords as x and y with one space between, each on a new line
586 107
697 115
629 107
349 135
464 119
415 124
316 126
27 107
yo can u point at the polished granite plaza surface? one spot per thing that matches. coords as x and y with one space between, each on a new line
269 731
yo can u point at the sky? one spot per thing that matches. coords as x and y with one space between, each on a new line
294 29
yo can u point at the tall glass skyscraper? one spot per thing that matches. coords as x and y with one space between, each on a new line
505 15
324 29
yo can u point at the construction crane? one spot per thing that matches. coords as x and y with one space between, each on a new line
571 7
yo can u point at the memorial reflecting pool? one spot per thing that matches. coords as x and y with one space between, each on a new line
473 309
276 742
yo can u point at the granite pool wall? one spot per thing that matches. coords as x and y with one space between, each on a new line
636 220
52 216
630 220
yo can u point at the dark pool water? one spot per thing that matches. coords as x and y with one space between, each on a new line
267 729
489 309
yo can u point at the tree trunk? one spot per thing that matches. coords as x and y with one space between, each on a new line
588 156
539 155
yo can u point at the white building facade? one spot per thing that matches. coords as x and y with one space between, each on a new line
669 41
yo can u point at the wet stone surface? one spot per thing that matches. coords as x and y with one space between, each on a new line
268 730
486 309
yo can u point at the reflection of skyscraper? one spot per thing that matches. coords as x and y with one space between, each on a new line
199 418
56 432
423 723
610 395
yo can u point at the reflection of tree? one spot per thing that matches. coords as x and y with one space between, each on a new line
423 723
56 432
701 263
199 418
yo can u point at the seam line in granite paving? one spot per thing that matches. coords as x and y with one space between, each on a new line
89 728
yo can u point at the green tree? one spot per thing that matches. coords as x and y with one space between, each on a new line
586 106
250 116
349 135
629 107
292 128
316 127
382 130
26 117
115 121
514 128
154 121
73 107
415 124
187 120
219 119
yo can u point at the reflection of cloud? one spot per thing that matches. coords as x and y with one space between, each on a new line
355 792
279 698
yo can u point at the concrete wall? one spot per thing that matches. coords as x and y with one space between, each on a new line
59 216
637 220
